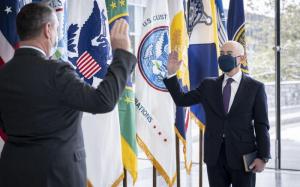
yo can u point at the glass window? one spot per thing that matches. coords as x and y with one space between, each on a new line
290 85
260 33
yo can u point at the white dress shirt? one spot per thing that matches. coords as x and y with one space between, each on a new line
32 47
234 86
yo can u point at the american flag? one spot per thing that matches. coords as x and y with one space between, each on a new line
87 65
9 39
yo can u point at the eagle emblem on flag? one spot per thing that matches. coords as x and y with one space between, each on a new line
88 46
153 57
197 15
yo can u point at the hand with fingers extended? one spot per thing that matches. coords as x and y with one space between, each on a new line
119 35
258 165
173 63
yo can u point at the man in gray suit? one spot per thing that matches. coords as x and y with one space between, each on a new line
41 104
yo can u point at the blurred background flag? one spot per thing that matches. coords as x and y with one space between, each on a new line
179 43
221 22
9 39
155 111
89 51
236 26
117 10
60 6
203 48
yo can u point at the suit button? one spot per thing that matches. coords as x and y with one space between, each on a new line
223 135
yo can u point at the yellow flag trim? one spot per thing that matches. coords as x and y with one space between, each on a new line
215 26
129 159
118 181
188 166
170 181
198 122
117 17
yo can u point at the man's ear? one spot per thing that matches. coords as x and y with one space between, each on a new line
243 59
47 30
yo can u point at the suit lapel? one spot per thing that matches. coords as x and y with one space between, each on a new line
238 96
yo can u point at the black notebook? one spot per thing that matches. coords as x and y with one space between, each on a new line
248 160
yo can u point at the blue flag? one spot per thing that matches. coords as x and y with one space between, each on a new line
236 26
203 48
9 40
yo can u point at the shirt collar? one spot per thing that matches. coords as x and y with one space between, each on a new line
237 77
32 47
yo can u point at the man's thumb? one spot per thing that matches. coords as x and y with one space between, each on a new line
252 165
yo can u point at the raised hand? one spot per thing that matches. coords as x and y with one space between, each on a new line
173 63
119 35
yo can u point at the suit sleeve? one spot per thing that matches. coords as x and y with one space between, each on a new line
261 123
180 98
76 94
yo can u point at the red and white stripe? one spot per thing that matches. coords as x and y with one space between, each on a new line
3 138
87 66
6 53
6 50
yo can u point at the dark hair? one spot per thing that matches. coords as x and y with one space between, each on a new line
31 19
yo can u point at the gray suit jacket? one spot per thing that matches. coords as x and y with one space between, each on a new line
40 110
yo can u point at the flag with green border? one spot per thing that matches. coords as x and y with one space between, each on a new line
118 9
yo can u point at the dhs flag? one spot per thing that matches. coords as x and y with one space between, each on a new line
9 39
89 51
203 49
155 111
236 26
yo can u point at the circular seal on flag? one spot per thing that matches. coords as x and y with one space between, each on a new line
153 57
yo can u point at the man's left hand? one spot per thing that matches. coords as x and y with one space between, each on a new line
258 165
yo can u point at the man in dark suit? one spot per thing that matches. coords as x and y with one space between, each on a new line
41 102
236 118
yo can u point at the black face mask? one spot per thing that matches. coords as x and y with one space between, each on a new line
227 63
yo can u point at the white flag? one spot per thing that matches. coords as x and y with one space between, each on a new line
90 53
155 112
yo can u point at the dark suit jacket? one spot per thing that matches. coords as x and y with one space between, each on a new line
245 127
40 104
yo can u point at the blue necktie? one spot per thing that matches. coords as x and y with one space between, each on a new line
227 94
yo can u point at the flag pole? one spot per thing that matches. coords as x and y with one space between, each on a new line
177 161
200 157
125 178
277 86
154 177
